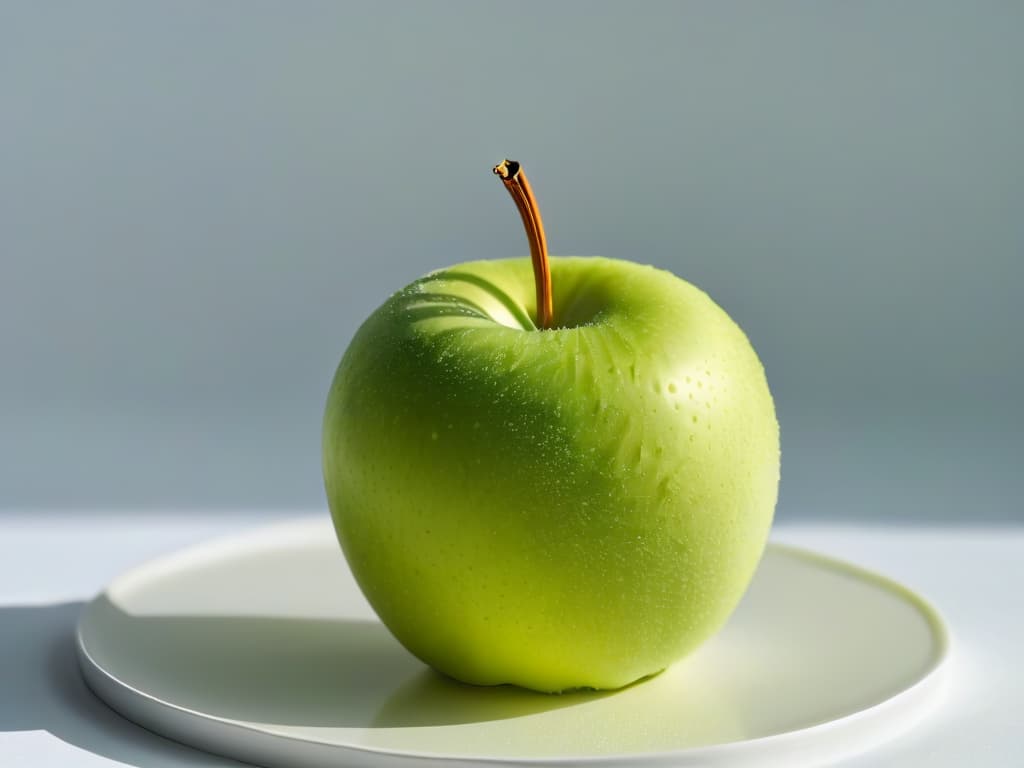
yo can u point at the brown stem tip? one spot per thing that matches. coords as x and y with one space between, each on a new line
515 182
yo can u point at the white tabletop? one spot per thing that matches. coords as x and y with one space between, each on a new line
50 562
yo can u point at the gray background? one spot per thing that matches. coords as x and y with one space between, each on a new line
199 202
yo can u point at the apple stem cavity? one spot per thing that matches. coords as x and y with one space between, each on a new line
515 182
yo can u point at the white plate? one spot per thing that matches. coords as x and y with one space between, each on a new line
261 647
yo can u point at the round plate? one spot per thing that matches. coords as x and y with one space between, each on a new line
261 647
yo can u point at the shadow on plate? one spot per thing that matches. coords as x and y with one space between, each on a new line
296 671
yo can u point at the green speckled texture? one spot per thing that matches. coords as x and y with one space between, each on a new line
557 509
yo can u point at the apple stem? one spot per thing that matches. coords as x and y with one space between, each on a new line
515 182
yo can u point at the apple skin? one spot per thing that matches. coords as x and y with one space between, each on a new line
557 509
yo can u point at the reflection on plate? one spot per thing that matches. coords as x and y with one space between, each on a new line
262 648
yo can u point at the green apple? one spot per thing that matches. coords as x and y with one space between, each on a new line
568 508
